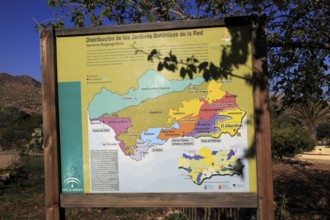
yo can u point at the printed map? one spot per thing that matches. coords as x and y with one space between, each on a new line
209 163
153 115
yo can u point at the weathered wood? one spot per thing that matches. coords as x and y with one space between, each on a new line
173 25
244 200
262 122
51 158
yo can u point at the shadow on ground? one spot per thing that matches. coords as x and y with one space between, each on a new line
306 187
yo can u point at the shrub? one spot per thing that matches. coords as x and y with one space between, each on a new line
281 213
175 215
36 141
16 127
290 140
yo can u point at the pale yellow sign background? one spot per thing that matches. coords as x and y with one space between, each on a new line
106 61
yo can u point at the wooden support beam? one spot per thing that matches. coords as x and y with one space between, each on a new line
262 122
51 153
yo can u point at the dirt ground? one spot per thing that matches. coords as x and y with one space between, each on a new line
7 158
306 186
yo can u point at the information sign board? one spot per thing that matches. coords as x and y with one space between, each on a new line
132 133
125 126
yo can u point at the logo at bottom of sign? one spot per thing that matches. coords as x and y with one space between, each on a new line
72 184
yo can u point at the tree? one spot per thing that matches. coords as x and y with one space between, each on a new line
298 38
311 115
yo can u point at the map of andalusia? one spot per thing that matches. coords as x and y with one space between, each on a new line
160 110
209 163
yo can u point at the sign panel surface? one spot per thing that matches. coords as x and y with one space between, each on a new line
127 127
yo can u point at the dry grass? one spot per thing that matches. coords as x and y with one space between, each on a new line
8 158
23 197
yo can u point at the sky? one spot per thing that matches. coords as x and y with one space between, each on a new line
19 41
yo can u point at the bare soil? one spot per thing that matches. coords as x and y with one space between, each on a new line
7 159
305 185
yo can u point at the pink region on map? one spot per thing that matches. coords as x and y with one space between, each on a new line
119 125
208 110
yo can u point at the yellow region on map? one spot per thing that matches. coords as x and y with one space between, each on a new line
232 124
214 91
207 163
188 108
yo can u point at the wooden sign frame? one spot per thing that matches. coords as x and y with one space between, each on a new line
57 201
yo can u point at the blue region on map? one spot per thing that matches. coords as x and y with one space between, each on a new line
151 136
199 177
231 153
195 157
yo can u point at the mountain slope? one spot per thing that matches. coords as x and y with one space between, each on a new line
22 92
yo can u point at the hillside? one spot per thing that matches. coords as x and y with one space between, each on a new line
22 92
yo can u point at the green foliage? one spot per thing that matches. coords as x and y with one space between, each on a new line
323 131
16 127
280 209
298 55
297 37
36 141
176 215
289 139
310 114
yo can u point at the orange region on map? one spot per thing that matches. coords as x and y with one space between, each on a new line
186 125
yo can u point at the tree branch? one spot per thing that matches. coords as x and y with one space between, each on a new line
315 45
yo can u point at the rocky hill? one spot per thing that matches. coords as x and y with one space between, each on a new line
22 92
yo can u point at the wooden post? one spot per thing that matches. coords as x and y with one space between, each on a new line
51 152
262 121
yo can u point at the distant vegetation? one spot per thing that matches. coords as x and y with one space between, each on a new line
299 128
289 138
17 127
20 113
323 133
